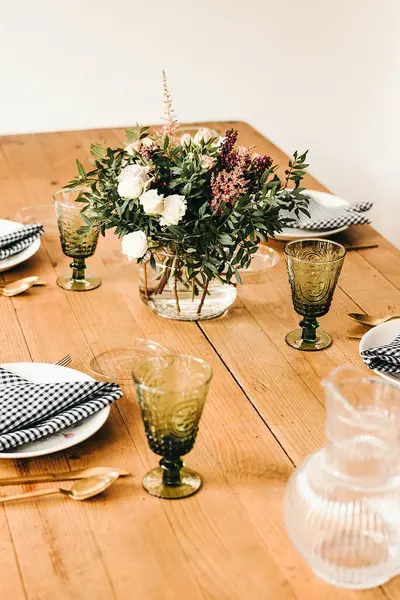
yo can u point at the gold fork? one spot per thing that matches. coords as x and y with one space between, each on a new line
65 361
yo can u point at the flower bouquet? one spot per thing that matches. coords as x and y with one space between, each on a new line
190 210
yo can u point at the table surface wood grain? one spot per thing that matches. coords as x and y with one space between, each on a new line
264 414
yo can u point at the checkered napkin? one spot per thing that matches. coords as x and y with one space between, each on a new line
12 243
384 358
325 217
29 411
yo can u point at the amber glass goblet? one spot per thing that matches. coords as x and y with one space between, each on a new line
172 390
314 267
78 240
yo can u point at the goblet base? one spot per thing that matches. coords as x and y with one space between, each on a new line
91 282
295 340
153 483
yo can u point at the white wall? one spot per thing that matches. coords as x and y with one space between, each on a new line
318 74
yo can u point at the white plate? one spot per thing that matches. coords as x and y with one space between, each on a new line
325 199
47 373
16 259
379 336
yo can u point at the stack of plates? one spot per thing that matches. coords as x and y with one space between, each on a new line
380 336
16 259
46 373
325 199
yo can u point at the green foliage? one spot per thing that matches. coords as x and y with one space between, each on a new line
209 241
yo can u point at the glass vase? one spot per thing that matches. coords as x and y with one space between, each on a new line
170 292
342 504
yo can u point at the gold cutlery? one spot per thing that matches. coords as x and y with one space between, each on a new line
63 476
370 320
65 361
37 284
355 336
360 246
19 286
81 490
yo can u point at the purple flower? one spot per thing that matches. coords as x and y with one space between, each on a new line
225 150
260 163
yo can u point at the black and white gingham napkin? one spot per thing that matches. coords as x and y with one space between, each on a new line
384 358
330 217
12 243
30 411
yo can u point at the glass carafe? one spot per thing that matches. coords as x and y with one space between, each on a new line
342 506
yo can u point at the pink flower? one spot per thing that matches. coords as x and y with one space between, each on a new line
228 187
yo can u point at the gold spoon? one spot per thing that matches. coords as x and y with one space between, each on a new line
19 286
81 490
370 320
63 476
37 284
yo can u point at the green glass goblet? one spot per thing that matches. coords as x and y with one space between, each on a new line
314 267
78 240
172 390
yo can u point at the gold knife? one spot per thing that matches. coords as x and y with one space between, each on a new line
360 246
64 476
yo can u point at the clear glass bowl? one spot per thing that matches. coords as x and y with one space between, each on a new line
113 359
39 213
263 260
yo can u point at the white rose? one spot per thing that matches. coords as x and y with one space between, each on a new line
147 142
134 245
152 202
186 139
202 136
130 187
133 146
134 171
174 209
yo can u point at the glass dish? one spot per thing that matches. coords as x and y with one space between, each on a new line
113 359
38 213
264 259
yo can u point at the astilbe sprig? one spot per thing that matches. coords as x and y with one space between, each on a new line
171 122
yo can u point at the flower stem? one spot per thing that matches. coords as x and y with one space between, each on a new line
193 285
178 308
203 297
163 279
146 292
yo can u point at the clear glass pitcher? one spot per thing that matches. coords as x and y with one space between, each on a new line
342 506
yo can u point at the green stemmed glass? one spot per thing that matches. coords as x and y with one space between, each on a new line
313 267
172 390
78 240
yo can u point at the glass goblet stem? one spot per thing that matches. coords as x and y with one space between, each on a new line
78 267
309 326
171 470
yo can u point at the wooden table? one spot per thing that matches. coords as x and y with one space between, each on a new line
264 414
